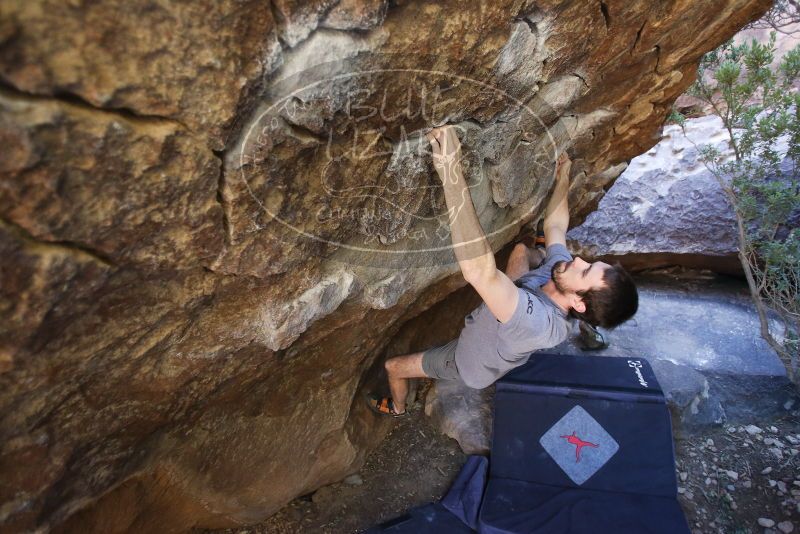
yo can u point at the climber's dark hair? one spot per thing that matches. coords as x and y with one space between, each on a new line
612 304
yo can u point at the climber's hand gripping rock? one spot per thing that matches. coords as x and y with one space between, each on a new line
446 150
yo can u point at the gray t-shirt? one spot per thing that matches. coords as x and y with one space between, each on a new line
487 349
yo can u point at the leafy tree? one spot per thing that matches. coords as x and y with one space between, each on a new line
760 108
782 17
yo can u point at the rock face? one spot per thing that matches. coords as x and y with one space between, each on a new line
666 208
215 215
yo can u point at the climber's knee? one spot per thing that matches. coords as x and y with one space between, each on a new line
409 366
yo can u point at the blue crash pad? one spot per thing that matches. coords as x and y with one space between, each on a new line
431 518
580 445
457 512
512 506
546 410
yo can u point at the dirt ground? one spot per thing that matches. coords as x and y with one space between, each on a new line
414 465
735 479
742 478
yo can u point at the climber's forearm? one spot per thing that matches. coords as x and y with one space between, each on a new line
472 250
556 223
556 215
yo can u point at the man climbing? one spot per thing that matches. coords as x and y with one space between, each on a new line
523 310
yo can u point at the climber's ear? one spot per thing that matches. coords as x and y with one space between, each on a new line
576 302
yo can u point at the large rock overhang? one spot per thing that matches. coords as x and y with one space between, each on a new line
183 333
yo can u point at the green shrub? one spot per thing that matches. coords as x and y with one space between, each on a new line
758 105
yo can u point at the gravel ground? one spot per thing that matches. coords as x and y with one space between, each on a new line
742 479
732 480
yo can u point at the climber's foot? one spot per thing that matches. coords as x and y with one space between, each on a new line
591 338
540 242
384 406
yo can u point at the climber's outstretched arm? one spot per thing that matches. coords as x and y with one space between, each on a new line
556 215
472 250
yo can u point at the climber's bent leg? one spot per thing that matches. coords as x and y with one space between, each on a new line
436 362
536 257
399 369
517 262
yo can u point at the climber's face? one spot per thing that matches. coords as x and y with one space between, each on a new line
578 275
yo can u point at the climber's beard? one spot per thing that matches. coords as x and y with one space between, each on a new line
555 274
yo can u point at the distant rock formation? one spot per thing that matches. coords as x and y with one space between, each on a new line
666 208
215 215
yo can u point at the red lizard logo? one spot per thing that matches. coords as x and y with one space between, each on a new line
579 443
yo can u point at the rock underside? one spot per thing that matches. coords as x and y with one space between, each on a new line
211 229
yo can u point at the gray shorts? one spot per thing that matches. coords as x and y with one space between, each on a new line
440 362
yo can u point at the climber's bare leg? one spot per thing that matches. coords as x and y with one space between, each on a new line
535 257
399 369
522 260
518 262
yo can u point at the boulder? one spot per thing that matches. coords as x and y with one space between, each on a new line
666 208
215 216
197 64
